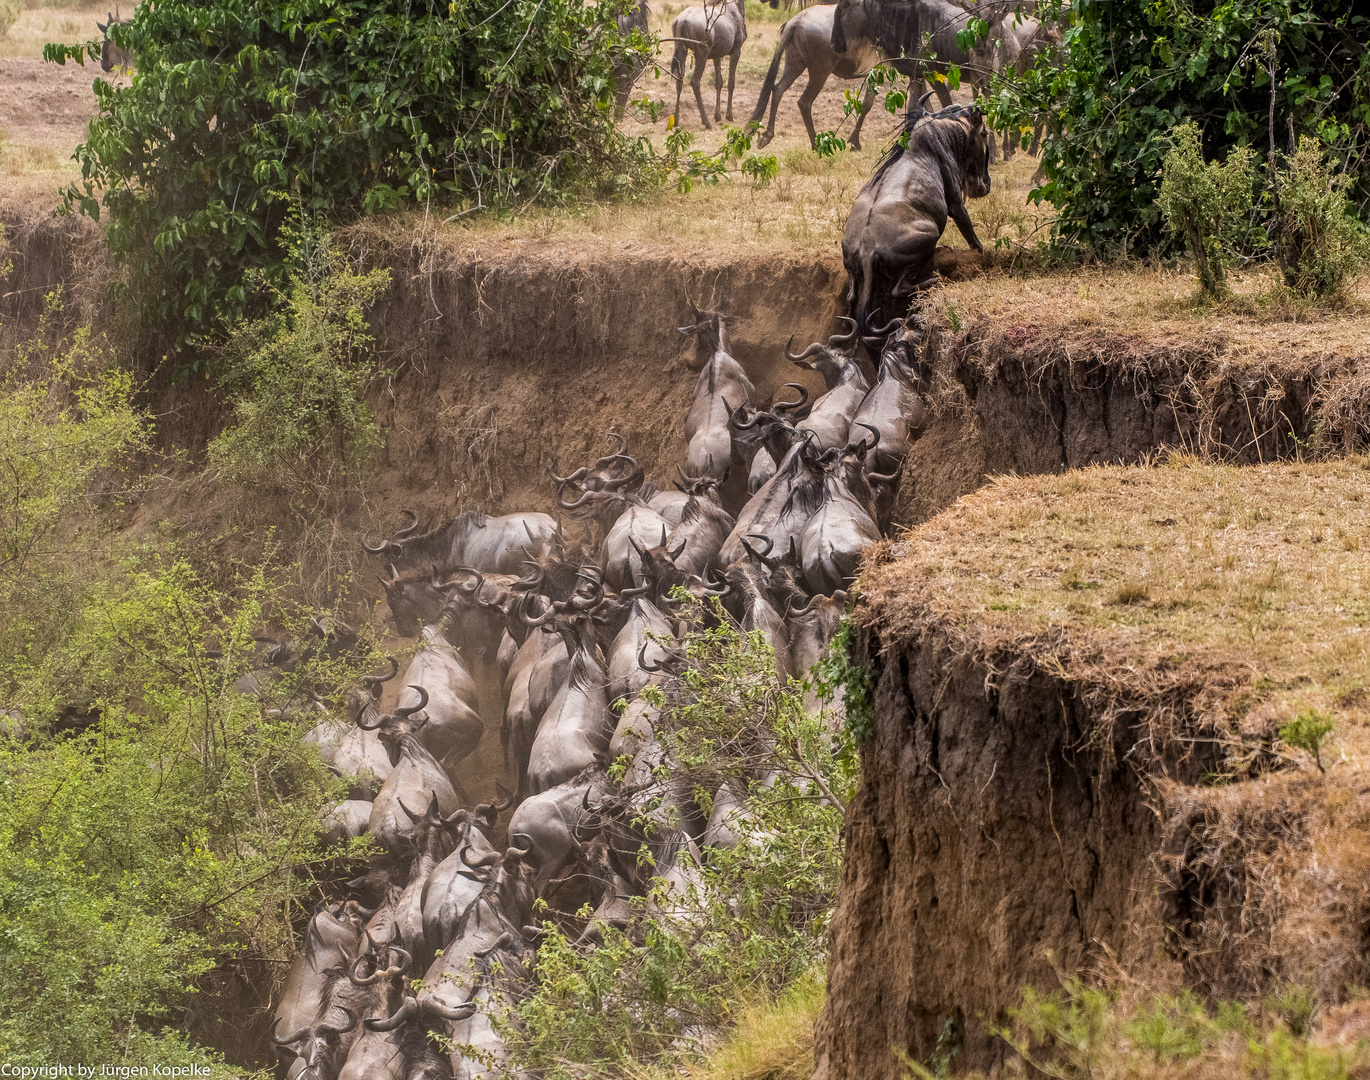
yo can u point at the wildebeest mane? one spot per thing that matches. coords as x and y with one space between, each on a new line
939 132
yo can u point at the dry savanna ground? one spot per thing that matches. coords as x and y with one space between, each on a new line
44 110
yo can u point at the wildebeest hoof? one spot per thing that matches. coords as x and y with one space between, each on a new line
855 143
764 141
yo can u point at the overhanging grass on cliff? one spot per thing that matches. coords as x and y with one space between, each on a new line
1190 609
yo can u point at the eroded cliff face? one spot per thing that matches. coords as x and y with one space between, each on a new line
985 833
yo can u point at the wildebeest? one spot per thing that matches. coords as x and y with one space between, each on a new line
722 386
844 525
806 45
576 728
113 56
710 31
894 406
899 215
452 728
831 416
414 781
492 545
627 72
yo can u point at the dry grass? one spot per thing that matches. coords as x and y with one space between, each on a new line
1184 606
1119 306
773 1040
39 24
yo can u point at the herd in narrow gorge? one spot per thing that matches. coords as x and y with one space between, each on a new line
438 927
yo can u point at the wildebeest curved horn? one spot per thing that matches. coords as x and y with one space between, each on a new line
461 1012
561 502
637 547
739 419
370 727
488 859
922 101
642 663
363 980
289 1039
636 590
844 339
572 478
886 331
351 1023
410 710
375 680
515 853
874 432
721 589
506 798
400 1016
882 478
789 406
502 942
458 815
765 539
410 529
472 575
404 963
535 620
791 608
379 549
812 350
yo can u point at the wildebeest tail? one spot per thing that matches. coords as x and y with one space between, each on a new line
768 86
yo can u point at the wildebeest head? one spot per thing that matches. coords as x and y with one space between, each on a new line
830 360
319 1046
393 728
111 55
710 331
975 159
414 598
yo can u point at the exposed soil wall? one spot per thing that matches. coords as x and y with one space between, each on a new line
986 831
1029 398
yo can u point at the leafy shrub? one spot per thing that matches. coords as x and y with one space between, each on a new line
151 819
1199 202
297 378
1130 70
1306 732
243 109
756 922
837 674
1319 245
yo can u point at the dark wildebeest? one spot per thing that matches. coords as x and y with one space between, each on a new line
111 55
899 216
806 45
711 31
627 72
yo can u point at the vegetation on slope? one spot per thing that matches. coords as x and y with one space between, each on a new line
1247 73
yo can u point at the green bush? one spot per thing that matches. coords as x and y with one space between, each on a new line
1319 245
1130 70
1201 201
152 820
755 925
297 380
243 109
1306 732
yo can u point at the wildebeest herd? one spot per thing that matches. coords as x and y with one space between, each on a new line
438 925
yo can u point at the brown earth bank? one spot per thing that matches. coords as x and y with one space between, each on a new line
1079 682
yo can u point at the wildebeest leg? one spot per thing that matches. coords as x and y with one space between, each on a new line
794 67
701 61
1036 140
718 91
806 100
678 73
943 93
732 78
861 119
1010 144
957 212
